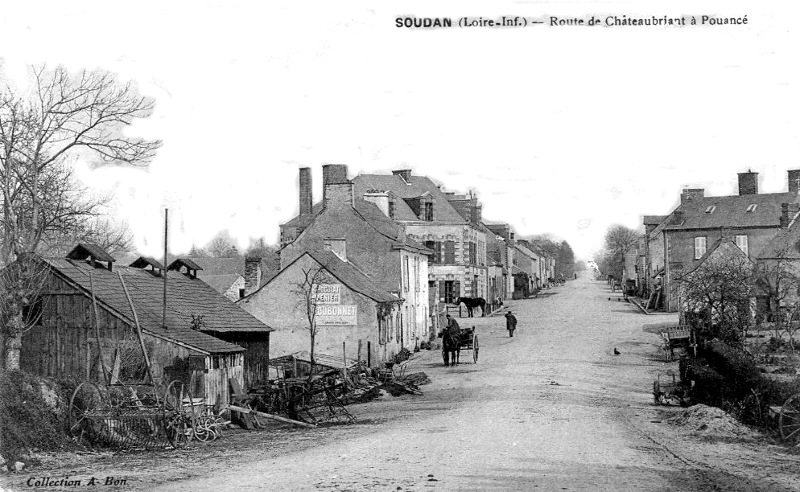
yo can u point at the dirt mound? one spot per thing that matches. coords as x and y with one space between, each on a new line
711 420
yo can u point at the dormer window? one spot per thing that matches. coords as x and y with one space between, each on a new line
711 209
751 207
429 211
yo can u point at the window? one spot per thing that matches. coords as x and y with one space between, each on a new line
436 247
406 280
449 252
391 208
699 247
429 211
710 209
741 241
751 207
241 293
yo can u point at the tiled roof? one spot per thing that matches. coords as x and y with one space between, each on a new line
224 267
85 250
653 219
373 215
221 283
185 297
443 211
731 211
785 245
351 276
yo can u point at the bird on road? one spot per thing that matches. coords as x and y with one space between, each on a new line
616 352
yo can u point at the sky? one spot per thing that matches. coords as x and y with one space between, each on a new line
558 129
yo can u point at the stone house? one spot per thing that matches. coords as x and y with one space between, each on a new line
446 223
507 245
359 232
350 306
750 218
227 275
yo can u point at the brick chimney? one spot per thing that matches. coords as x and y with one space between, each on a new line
306 200
338 195
794 180
379 198
788 213
333 174
689 194
252 274
477 214
748 183
403 173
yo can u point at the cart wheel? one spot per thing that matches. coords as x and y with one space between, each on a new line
656 392
789 420
173 396
86 401
204 430
475 349
178 430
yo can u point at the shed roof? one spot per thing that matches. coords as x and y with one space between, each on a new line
86 250
186 297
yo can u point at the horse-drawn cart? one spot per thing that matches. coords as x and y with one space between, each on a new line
467 340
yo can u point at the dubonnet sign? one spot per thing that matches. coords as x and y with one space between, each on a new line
330 312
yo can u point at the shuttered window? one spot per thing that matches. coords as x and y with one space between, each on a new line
741 241
699 247
449 252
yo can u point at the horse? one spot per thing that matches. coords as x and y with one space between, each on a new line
451 348
473 302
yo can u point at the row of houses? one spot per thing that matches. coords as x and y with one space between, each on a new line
763 226
378 259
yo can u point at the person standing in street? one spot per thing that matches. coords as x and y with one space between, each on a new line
511 323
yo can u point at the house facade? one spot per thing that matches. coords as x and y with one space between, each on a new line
348 307
360 233
447 224
751 219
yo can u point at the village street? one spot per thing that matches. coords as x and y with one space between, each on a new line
550 409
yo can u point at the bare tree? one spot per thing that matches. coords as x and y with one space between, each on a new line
222 246
718 294
307 291
62 116
619 240
777 276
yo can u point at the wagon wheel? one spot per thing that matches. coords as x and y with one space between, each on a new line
789 420
86 402
475 349
173 396
656 392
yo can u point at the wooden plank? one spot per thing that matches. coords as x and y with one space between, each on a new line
138 329
236 408
97 330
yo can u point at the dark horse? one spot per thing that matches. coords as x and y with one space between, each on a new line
472 303
451 348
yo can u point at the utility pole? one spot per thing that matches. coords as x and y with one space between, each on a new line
166 229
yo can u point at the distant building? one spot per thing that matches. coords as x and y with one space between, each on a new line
229 276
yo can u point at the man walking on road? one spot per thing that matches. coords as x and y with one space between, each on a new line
511 323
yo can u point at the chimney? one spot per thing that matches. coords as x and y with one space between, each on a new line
306 201
476 214
333 174
689 194
748 183
403 173
379 198
794 181
788 213
252 274
338 195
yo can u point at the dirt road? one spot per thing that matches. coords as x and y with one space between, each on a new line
550 409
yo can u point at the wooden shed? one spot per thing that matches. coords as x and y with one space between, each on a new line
66 342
